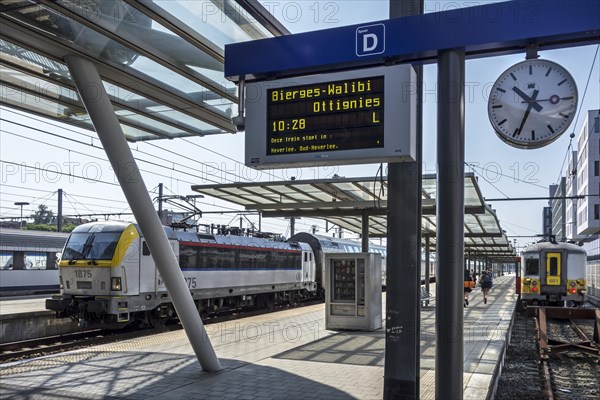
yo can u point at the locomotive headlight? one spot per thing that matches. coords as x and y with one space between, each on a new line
534 283
572 283
115 283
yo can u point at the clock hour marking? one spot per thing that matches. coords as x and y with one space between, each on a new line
564 115
497 106
513 76
561 82
549 69
530 70
568 98
551 130
516 132
532 135
501 90
501 122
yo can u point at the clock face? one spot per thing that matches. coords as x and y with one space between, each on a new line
532 103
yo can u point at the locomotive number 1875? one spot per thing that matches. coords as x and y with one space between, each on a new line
83 273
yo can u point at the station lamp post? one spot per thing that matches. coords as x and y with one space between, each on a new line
21 203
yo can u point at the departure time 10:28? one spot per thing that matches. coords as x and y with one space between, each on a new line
289 125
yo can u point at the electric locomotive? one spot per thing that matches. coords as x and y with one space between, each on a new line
553 273
108 276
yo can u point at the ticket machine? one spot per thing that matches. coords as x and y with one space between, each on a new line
353 291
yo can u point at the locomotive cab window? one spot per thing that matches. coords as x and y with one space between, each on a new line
532 266
553 264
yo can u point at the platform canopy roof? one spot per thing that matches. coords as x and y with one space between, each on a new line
344 202
161 61
162 65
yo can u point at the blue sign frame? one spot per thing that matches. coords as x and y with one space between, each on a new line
486 30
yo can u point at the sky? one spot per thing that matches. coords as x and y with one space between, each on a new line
41 156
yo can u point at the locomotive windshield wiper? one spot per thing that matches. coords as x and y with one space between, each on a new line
74 256
88 245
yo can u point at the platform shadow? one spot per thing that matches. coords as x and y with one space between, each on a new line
150 375
355 348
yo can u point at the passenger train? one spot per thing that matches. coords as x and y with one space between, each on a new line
108 275
28 261
553 273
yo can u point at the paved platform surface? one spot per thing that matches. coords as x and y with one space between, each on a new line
283 355
23 304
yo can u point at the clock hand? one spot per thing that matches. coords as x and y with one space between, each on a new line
530 100
554 99
529 107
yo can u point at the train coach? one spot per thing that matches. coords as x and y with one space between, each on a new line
325 245
553 273
28 261
108 276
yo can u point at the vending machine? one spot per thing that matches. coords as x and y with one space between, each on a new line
353 291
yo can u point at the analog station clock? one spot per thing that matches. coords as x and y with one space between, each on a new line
532 103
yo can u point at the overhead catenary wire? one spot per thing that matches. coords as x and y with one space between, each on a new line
104 159
195 160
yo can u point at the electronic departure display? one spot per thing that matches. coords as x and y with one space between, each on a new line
331 119
327 116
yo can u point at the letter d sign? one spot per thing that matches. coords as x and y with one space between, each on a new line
370 39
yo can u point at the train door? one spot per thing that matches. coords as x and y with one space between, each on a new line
130 271
553 269
309 266
147 269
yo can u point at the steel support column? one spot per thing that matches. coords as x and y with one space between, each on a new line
59 216
364 237
450 225
427 267
403 273
98 105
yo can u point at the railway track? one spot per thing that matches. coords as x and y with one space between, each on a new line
568 351
16 351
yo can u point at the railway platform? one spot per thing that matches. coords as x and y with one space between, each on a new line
287 354
26 317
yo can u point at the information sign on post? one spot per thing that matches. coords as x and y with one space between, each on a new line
348 117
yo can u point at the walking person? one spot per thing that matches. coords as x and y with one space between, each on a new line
468 285
486 282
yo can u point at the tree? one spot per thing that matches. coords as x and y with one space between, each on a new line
43 215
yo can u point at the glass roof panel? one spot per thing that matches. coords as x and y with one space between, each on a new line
46 108
221 22
31 83
148 123
71 33
354 190
135 134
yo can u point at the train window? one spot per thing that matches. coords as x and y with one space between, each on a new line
94 246
532 266
145 249
553 266
305 257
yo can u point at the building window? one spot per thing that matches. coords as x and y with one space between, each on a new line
597 124
596 211
596 168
